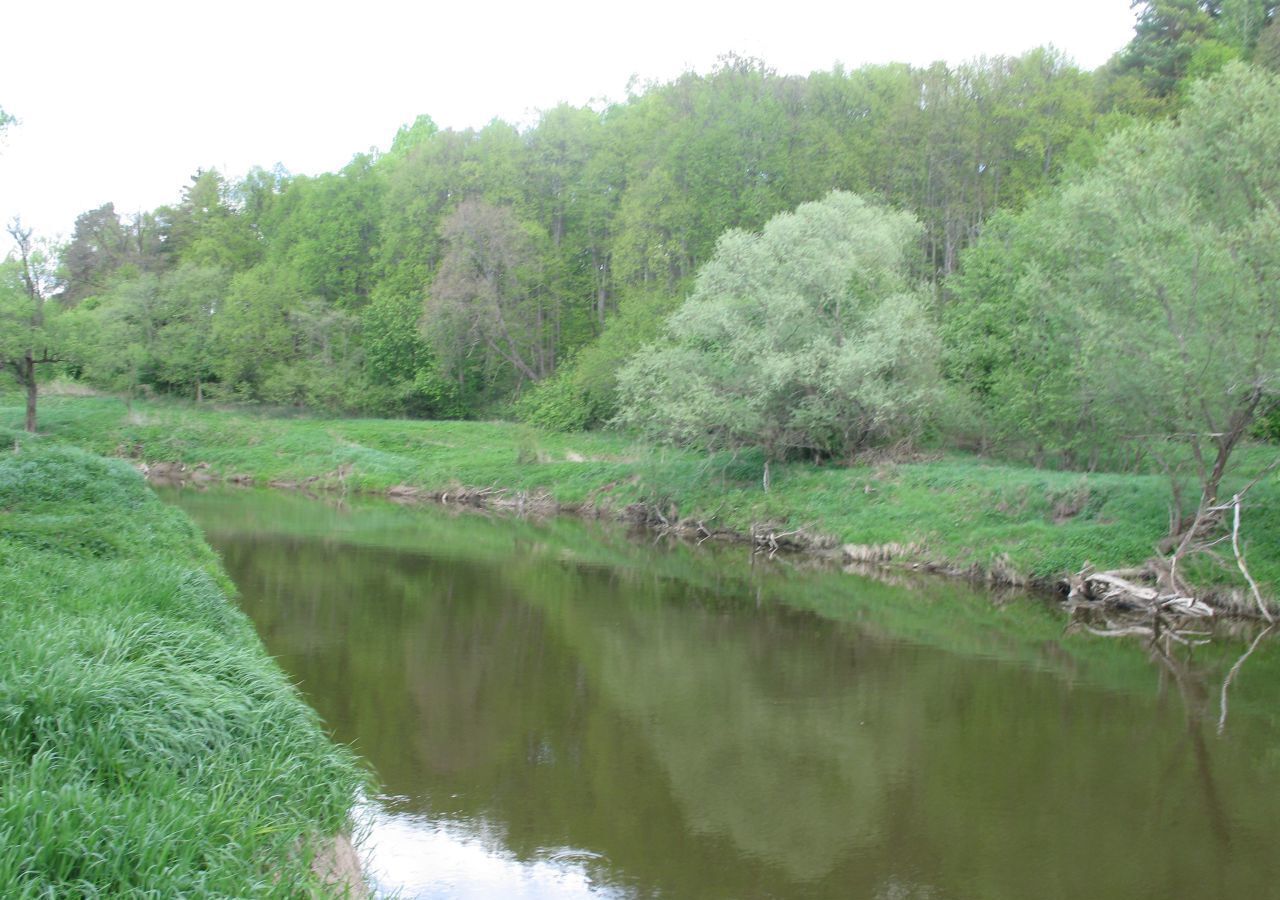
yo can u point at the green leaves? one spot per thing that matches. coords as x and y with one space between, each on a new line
806 337
619 207
1140 304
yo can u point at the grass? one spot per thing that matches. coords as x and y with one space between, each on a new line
961 511
148 744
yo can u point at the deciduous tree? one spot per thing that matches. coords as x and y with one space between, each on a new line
487 295
1153 281
27 336
808 337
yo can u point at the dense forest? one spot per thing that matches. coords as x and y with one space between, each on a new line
1010 254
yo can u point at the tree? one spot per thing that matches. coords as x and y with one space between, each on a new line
205 229
808 337
1267 51
193 295
487 296
153 329
398 362
324 229
98 247
117 334
1158 274
1239 23
1164 41
26 339
1019 355
252 337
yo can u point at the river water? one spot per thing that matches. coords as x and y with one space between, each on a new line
566 710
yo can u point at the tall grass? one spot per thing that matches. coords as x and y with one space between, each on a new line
148 745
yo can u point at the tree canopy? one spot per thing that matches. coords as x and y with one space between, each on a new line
483 271
810 336
615 210
1141 304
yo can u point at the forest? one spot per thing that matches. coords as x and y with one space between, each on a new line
1076 269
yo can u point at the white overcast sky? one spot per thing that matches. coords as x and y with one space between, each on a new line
122 101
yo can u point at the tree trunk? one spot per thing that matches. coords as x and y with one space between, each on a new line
29 376
602 294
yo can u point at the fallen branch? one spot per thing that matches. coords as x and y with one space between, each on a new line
1110 590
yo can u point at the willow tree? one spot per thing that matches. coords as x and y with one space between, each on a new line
1155 279
808 338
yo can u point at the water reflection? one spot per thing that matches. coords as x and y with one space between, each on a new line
562 714
410 855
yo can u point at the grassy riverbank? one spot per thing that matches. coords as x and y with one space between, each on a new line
148 745
959 512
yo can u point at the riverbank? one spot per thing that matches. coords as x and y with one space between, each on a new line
148 744
959 514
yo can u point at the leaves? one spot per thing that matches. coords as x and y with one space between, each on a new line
805 337
1141 303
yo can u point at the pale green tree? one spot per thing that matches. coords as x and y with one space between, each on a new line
809 337
193 295
154 330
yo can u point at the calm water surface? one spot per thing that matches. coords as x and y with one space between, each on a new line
560 710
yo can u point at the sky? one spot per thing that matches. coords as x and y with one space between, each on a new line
123 101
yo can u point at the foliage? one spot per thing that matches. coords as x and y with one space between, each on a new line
808 337
583 394
1178 41
1141 303
31 332
486 302
615 209
399 362
1266 53
153 329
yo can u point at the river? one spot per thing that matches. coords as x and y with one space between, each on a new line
563 709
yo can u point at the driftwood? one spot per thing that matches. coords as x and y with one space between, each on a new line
1240 563
765 540
879 553
768 539
1110 591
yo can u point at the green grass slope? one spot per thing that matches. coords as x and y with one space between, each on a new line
148 744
